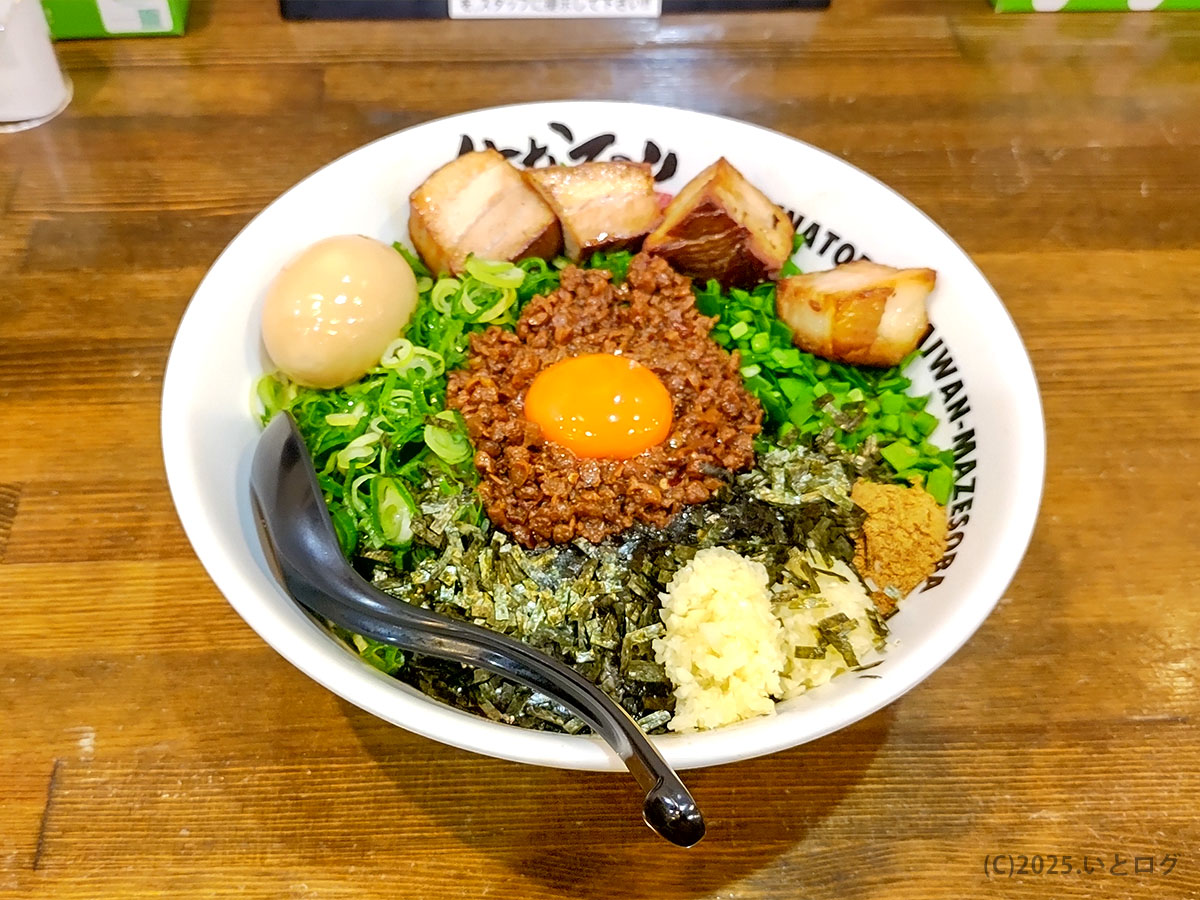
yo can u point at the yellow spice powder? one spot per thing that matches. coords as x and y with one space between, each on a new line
902 540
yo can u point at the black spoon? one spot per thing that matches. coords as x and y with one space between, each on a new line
300 536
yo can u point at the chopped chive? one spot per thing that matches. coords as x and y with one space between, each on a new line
858 410
940 482
899 455
786 357
925 423
800 412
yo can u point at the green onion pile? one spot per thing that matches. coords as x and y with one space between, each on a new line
862 410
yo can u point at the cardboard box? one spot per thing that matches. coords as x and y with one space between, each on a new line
1092 5
114 18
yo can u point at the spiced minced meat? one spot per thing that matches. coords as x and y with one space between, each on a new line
540 492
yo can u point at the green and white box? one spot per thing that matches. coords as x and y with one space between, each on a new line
114 18
1092 5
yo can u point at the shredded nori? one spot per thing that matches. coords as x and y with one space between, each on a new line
835 631
596 606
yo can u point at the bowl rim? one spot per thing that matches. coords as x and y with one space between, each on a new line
311 649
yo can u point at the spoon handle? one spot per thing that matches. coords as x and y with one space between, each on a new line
300 536
669 808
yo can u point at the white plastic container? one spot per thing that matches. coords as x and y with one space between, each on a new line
33 89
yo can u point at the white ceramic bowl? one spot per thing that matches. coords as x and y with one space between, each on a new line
979 365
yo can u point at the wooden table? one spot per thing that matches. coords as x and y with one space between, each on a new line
152 745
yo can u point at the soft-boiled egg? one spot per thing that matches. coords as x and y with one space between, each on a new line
601 406
334 308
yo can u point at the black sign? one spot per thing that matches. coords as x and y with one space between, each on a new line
438 9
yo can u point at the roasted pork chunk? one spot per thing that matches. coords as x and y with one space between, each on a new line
721 226
601 205
860 312
480 204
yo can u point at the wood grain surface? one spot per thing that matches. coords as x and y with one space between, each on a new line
151 745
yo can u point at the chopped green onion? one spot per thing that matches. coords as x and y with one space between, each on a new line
925 423
800 412
496 274
394 509
790 268
448 441
899 455
442 292
940 482
859 409
361 449
794 389
343 527
785 357
496 310
345 420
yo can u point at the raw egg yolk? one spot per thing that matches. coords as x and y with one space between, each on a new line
600 406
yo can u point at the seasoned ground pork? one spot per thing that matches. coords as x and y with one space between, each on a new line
540 492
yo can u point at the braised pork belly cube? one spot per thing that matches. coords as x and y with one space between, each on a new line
600 205
480 204
861 312
721 226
